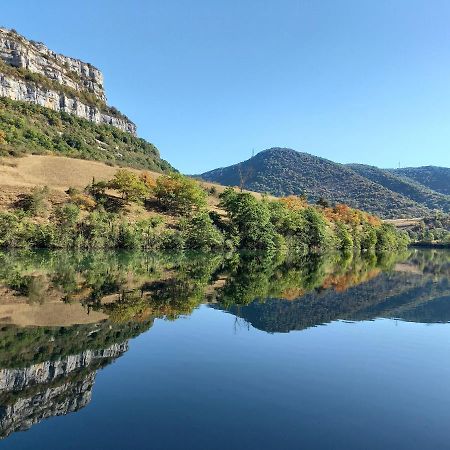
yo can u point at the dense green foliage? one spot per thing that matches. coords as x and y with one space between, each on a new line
284 172
411 189
435 178
28 128
434 230
284 225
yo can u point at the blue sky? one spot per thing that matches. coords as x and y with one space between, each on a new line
208 81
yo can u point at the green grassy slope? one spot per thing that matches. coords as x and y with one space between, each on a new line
26 128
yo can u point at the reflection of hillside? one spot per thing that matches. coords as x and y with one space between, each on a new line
396 294
64 317
48 371
51 311
422 300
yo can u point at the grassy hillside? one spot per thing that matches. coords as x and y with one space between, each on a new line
282 172
436 178
26 128
404 186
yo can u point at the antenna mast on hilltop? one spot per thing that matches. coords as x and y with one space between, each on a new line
253 152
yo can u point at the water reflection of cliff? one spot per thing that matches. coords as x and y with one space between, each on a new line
65 316
50 371
51 388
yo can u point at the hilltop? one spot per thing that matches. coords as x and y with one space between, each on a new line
284 171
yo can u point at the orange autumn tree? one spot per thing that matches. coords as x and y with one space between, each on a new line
294 202
353 217
148 180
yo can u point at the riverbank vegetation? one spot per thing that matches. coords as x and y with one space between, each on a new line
176 214
431 231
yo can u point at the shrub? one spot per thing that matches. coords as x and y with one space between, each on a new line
36 203
67 215
83 201
148 180
129 185
179 194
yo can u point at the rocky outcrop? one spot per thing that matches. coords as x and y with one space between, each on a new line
67 78
19 52
17 89
46 372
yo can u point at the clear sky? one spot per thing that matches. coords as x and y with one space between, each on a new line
208 81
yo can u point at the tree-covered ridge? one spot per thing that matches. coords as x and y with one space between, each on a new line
26 128
407 187
435 178
281 172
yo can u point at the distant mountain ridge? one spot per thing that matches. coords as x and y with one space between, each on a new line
434 177
386 192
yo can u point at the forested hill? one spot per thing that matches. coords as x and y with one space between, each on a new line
405 186
436 178
283 171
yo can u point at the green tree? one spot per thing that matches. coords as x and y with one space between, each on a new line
250 220
200 232
345 240
129 185
314 233
179 194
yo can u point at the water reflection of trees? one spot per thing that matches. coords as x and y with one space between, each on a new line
137 286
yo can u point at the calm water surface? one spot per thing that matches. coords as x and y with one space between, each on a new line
126 351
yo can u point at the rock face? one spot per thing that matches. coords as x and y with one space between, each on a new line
72 86
17 89
37 58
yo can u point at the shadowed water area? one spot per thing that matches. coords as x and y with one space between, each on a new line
134 350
